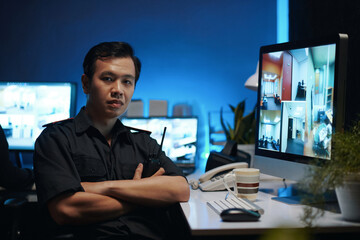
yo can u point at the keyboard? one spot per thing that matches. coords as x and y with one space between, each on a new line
219 205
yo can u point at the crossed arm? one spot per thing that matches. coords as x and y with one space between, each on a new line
107 200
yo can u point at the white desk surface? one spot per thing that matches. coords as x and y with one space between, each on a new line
204 221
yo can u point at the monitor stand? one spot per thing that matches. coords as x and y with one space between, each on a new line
293 196
288 195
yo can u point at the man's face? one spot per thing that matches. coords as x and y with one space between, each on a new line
111 88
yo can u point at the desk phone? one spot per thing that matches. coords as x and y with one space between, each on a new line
213 180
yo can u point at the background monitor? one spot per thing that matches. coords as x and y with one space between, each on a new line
180 139
300 104
26 106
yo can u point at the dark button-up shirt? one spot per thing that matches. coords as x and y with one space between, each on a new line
74 151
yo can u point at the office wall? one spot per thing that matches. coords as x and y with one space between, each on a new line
198 52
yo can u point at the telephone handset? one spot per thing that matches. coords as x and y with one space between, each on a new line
212 180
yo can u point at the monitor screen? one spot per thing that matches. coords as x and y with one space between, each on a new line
26 106
300 99
180 137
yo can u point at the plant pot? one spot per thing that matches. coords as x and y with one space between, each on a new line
348 197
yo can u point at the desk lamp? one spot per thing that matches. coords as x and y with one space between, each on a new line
252 82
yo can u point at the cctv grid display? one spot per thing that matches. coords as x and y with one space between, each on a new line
26 106
296 101
180 137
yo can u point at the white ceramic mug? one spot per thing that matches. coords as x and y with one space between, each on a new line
246 182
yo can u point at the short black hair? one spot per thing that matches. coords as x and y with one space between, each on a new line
108 50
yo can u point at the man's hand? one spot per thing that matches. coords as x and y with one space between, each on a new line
157 190
139 170
97 187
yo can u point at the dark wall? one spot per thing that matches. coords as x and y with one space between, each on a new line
198 52
311 19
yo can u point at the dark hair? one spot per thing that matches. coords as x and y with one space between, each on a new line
110 49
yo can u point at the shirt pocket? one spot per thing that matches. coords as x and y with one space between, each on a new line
90 169
128 170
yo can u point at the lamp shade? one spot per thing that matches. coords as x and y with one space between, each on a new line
252 82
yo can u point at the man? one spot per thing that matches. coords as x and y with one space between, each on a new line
88 169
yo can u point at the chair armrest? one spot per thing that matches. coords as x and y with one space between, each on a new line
15 202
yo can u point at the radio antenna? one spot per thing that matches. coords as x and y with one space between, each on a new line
162 141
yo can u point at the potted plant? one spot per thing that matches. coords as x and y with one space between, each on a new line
243 130
341 173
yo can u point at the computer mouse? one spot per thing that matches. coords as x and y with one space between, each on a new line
239 215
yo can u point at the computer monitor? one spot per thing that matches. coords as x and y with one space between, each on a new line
26 106
180 142
300 104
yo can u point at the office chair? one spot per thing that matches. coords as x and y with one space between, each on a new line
11 211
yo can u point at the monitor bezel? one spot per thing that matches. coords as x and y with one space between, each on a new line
339 94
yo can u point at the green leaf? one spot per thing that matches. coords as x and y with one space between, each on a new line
226 131
243 131
239 112
231 132
326 175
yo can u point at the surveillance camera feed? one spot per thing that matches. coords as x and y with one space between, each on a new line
296 101
26 107
180 137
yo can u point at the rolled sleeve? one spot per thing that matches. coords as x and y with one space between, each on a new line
55 172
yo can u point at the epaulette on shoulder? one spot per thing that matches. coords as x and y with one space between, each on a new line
58 122
138 130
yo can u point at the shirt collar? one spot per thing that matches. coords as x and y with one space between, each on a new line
83 123
119 129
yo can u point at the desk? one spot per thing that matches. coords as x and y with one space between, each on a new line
203 221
